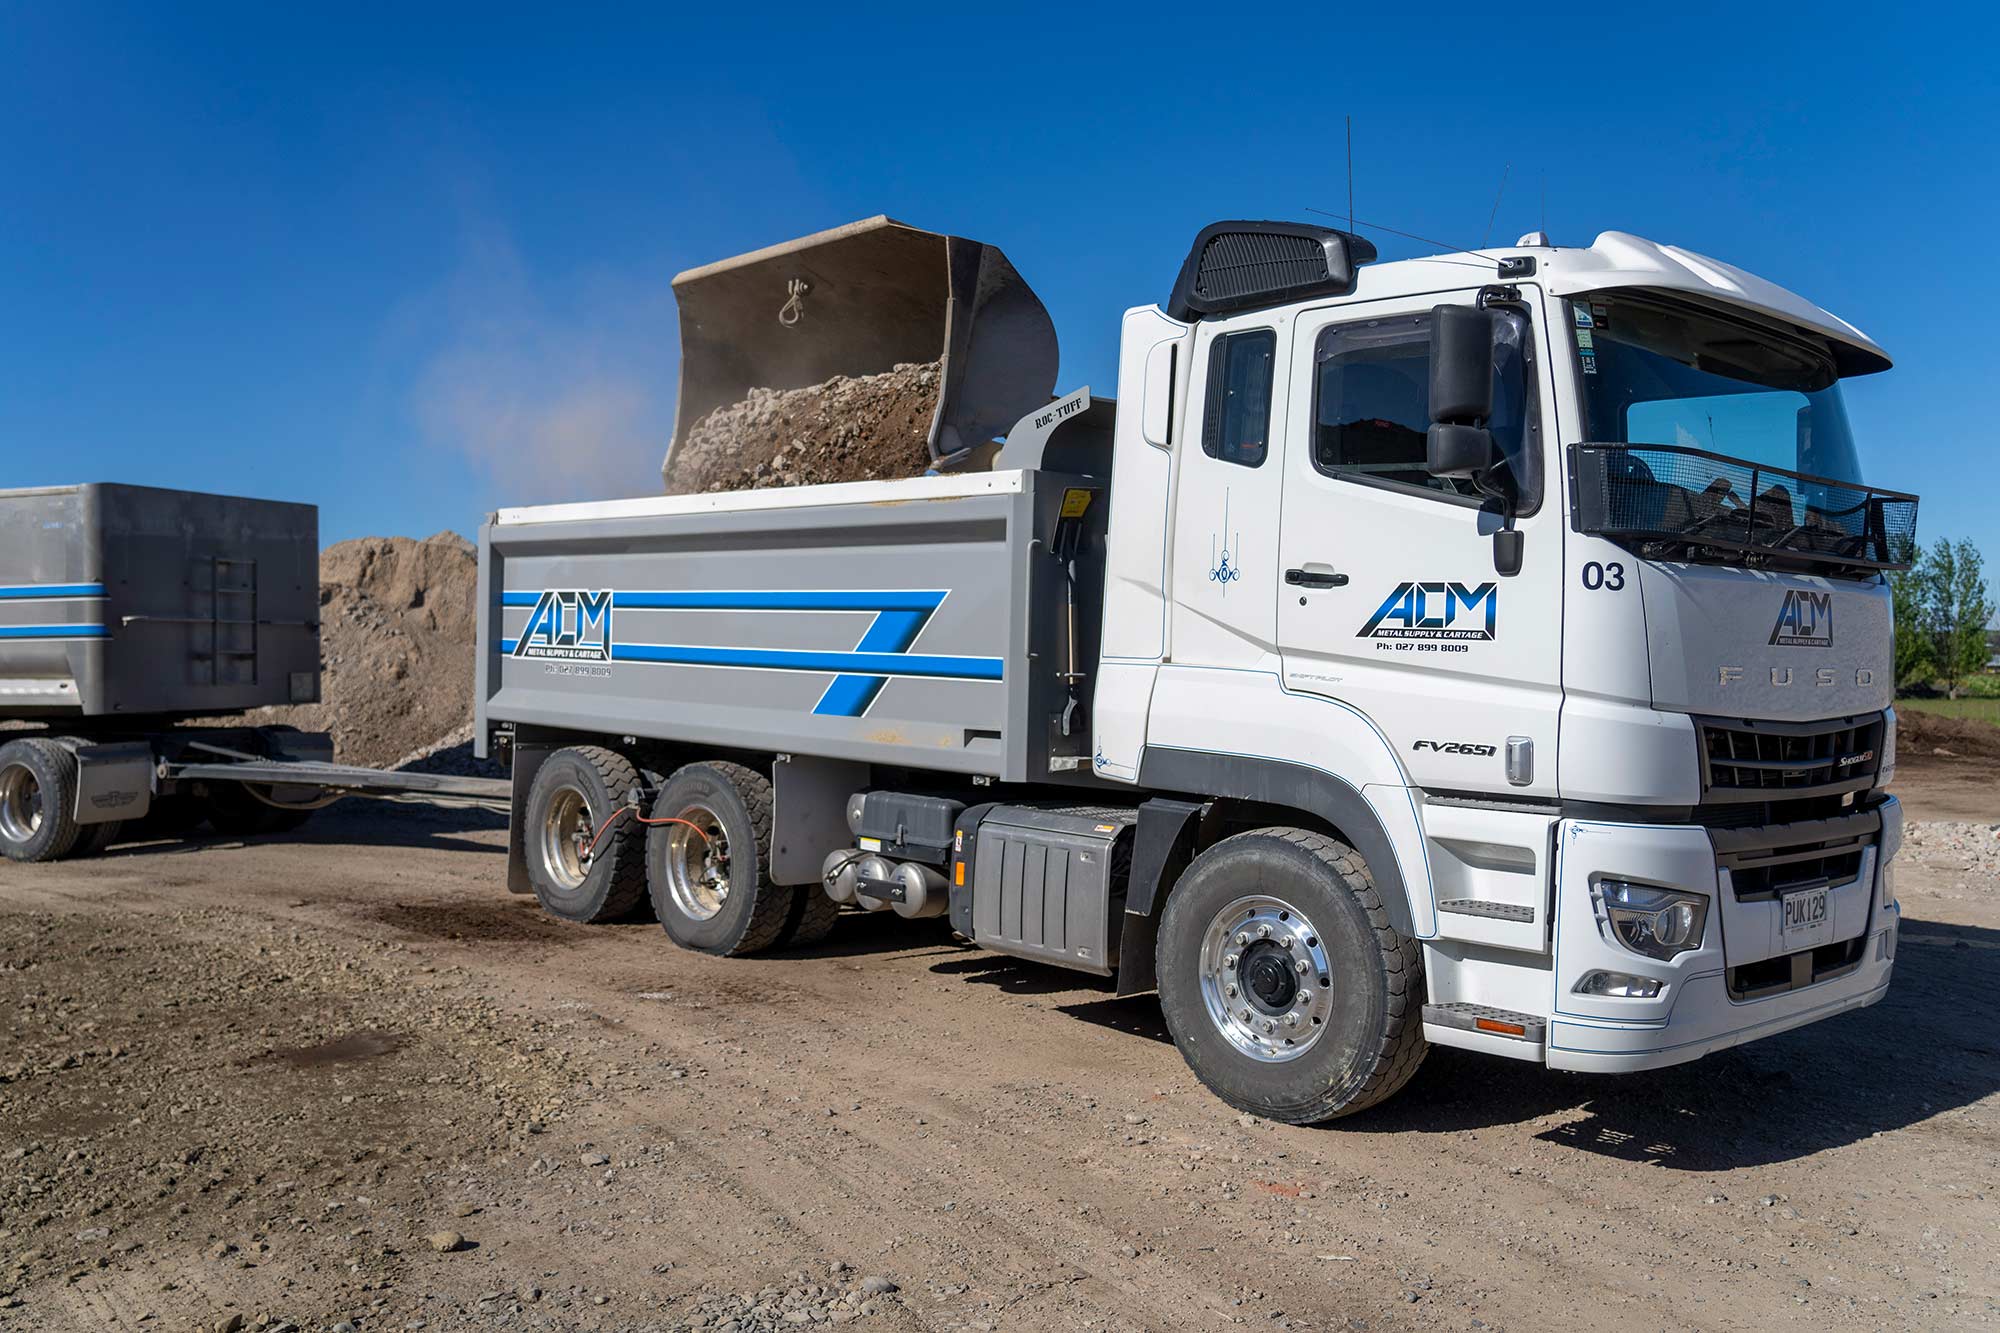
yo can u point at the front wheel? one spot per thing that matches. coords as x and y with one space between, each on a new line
1285 987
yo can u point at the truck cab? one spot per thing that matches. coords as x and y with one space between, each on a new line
1555 566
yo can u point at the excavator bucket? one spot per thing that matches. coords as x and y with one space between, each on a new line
860 300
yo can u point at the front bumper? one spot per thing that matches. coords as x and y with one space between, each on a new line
1696 1012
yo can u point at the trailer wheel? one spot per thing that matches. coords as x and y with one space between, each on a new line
708 864
234 813
37 801
1284 985
584 867
96 838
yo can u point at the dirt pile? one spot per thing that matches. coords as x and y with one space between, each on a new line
863 428
1922 736
397 623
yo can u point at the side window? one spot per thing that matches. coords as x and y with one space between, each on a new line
1371 409
1236 427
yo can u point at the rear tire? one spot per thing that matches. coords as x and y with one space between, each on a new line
96 838
37 801
708 869
811 919
234 813
575 792
1285 987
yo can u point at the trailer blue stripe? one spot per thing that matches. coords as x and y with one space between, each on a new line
792 659
42 591
750 600
52 631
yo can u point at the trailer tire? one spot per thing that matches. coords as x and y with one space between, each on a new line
37 800
1285 986
234 813
708 861
575 792
96 838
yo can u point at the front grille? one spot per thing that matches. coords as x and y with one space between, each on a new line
1744 760
1763 882
1795 971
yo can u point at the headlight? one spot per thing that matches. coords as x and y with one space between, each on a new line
1658 923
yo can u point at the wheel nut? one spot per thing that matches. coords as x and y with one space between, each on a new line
1246 1015
1229 960
1305 997
1263 932
1270 1026
1241 939
1300 967
1230 990
1291 1020
1284 941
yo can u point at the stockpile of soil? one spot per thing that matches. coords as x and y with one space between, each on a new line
397 623
863 428
1922 736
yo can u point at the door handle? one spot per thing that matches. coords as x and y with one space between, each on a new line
1313 578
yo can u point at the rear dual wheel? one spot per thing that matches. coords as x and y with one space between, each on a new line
38 801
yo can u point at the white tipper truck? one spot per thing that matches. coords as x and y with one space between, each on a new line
1489 650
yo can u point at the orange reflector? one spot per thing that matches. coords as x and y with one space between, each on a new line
1504 1029
958 874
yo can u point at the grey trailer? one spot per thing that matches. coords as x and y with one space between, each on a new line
123 611
132 601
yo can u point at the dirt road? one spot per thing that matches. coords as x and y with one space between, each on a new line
345 1080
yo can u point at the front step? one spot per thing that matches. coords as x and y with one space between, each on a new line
1480 907
1464 1016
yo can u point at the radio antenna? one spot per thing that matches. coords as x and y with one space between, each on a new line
1497 194
1350 173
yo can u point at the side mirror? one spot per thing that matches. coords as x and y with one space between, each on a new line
1458 443
1461 364
1457 451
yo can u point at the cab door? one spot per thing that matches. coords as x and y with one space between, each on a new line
1226 498
1391 601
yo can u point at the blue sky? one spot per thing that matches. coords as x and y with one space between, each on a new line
412 263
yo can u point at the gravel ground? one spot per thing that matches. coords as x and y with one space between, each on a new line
344 1080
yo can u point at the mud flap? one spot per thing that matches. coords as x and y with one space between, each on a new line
113 782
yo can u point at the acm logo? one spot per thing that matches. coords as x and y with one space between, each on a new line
1435 611
1805 620
569 626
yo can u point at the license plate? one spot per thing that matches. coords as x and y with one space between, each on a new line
1806 919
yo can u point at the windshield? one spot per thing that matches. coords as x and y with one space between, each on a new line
1656 373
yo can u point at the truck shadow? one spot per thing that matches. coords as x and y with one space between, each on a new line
1907 1059
379 824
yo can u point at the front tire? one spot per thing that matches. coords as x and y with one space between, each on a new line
1285 987
584 867
708 857
37 801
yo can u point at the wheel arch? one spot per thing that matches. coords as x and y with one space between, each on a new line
1228 793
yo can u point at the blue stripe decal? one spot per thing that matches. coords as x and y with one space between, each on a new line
809 600
892 632
52 631
795 659
30 591
870 664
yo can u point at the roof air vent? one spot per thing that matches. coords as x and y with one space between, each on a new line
1236 266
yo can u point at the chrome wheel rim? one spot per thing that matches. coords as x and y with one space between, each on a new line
566 835
698 863
20 803
1266 978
